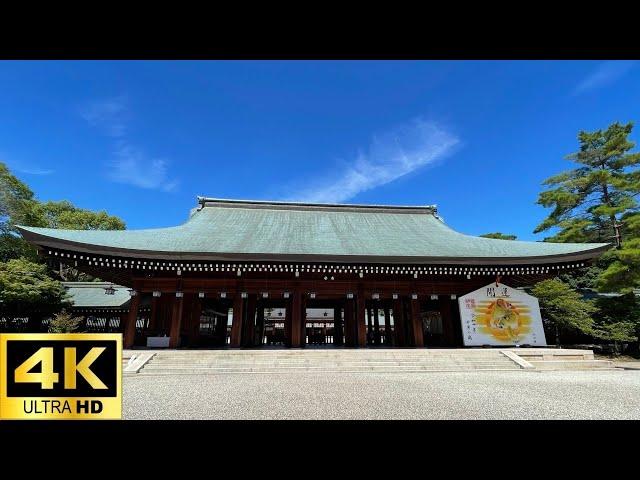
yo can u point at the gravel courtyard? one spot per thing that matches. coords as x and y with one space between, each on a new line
459 395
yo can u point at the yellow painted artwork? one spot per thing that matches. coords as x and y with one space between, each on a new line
504 320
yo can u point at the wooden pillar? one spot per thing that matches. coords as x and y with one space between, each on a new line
221 323
288 319
248 321
196 313
176 322
361 326
376 324
123 322
236 321
153 315
350 336
416 323
455 323
296 321
130 327
303 318
259 333
399 323
337 327
388 336
447 321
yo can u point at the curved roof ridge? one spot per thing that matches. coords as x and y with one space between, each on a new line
321 206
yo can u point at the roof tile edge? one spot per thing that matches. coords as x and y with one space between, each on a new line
283 205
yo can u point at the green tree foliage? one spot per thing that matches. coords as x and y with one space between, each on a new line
15 201
499 236
18 206
63 322
64 215
26 287
564 308
589 201
618 318
596 202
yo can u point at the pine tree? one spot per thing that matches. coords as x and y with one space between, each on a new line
596 202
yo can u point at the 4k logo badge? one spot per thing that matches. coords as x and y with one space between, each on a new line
60 376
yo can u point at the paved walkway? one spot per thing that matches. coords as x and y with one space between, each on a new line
459 395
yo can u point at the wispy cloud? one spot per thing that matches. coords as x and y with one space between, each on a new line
130 164
133 167
109 115
390 156
605 74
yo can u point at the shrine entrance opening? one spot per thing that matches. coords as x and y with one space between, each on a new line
214 326
380 324
324 323
271 323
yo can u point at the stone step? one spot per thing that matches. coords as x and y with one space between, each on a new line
330 359
572 364
159 366
175 371
318 357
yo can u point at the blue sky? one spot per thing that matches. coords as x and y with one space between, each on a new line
142 139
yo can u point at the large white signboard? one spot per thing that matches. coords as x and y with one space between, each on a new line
500 315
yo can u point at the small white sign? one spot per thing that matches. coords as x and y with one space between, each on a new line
500 315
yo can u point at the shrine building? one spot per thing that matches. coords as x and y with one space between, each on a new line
254 273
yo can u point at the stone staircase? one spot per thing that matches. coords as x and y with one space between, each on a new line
195 362
306 361
562 359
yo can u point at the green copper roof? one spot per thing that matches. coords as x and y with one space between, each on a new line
92 294
232 229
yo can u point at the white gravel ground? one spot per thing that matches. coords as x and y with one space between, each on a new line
459 395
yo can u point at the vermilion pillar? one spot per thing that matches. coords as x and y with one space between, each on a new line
248 320
350 336
236 321
287 321
296 321
388 338
360 321
176 322
399 323
416 320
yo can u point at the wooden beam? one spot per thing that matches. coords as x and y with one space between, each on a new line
236 321
154 315
388 336
123 322
376 324
416 322
447 321
176 323
249 321
287 321
296 321
221 323
196 312
303 320
337 327
399 323
259 331
130 328
360 321
350 335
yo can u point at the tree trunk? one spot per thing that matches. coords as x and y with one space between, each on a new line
614 220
